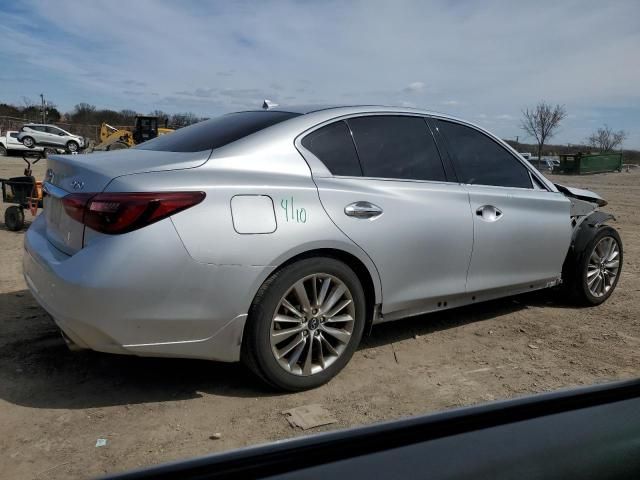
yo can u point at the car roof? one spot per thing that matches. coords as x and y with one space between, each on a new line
313 108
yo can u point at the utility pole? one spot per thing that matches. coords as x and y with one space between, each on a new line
43 108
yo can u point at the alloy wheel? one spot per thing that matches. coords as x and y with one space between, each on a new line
312 325
603 267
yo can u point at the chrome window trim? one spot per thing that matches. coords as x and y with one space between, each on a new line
504 145
320 170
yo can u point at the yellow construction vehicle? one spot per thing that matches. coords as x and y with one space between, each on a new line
112 138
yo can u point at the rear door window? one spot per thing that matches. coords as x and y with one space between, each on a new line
333 146
217 132
398 147
480 160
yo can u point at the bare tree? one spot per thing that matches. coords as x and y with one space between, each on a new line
28 102
606 139
179 120
542 122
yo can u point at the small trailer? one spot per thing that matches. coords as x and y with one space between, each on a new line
584 163
25 193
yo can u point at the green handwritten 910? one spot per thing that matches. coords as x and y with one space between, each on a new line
293 214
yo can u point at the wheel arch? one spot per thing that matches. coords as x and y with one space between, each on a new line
363 268
582 235
588 228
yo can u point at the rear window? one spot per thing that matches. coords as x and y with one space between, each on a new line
217 132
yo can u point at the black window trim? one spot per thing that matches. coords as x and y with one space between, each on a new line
519 159
320 170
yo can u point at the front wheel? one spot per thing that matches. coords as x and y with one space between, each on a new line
72 146
3 151
305 324
598 268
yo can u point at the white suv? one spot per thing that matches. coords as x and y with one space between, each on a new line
41 135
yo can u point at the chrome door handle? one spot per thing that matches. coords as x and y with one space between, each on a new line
489 213
362 210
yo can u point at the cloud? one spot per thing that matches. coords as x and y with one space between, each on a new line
414 87
217 57
135 83
505 116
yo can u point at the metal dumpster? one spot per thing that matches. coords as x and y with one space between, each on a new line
582 163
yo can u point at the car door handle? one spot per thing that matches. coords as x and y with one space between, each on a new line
362 210
489 213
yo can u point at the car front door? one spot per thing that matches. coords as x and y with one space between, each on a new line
387 189
522 230
56 136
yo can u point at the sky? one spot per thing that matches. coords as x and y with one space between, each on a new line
484 61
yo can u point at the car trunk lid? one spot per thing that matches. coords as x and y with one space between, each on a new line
91 173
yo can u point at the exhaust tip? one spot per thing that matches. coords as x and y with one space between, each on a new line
71 345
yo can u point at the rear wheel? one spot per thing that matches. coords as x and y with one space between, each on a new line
305 324
14 218
28 142
598 268
3 151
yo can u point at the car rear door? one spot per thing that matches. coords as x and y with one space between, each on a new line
521 230
387 189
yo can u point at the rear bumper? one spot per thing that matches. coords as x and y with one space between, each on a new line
141 293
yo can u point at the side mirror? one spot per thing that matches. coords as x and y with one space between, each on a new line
62 134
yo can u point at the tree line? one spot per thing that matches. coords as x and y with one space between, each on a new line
540 122
87 114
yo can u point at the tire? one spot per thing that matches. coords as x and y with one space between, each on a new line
49 151
329 354
584 279
72 146
14 218
3 151
28 142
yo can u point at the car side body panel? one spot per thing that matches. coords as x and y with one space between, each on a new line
421 243
207 230
527 242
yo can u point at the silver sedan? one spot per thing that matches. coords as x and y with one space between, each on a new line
279 236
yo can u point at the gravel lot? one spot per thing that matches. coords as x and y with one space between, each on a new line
55 404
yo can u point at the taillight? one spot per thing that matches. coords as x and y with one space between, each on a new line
115 213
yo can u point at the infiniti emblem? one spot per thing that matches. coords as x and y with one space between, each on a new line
77 184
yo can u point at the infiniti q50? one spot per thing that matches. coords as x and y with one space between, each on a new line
279 236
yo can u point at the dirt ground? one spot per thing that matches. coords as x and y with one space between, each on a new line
55 404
